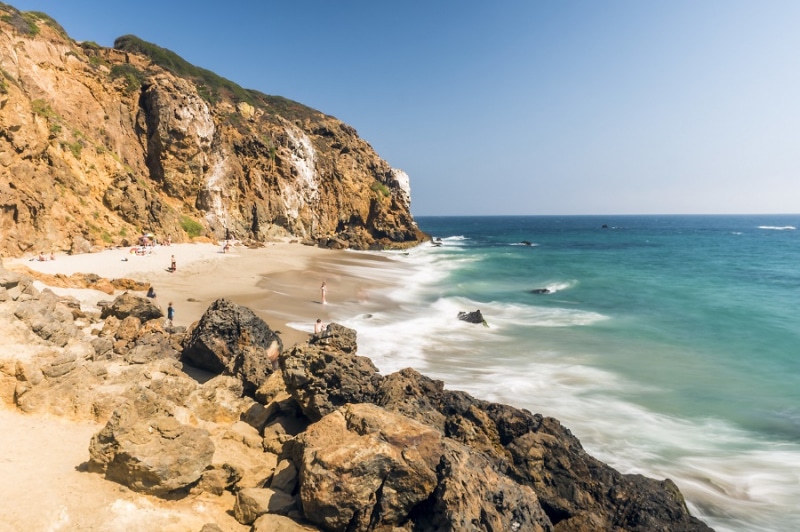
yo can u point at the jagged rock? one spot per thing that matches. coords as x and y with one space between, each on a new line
8 279
217 479
145 448
393 458
321 380
337 337
279 523
414 395
472 317
48 317
128 304
230 339
285 477
103 348
254 502
219 400
471 495
571 485
574 487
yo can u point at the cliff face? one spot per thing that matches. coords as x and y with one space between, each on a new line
98 145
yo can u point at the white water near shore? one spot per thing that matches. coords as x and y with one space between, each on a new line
549 359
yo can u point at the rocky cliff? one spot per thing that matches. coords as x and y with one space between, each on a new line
99 145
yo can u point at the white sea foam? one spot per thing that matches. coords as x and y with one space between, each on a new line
778 228
558 286
733 479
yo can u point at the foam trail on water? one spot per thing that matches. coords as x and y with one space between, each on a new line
735 480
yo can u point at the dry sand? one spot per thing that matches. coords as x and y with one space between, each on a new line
279 282
43 485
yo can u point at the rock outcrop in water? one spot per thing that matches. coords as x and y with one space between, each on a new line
99 145
325 442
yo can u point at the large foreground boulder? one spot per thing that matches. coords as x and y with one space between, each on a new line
145 448
363 468
231 340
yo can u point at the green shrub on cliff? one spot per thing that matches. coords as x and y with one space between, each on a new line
132 76
379 187
192 227
23 23
42 108
36 16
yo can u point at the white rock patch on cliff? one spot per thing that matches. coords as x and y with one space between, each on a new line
303 158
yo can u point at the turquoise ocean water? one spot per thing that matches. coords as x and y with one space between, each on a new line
670 345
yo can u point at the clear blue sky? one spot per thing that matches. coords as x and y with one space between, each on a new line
522 106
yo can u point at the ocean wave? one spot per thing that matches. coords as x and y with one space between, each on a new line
734 479
778 228
552 287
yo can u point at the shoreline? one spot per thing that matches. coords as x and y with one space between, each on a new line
280 282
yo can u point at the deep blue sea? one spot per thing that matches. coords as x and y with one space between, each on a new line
669 345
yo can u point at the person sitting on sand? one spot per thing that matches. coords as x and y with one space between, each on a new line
41 256
151 293
52 256
318 326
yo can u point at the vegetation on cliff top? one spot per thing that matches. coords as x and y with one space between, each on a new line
213 87
26 22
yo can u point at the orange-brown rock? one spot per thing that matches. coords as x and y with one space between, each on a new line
99 145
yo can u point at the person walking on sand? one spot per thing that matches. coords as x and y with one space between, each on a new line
173 266
323 290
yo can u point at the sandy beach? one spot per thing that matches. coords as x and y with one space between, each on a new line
42 484
279 282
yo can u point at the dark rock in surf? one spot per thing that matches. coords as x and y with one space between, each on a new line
541 291
472 317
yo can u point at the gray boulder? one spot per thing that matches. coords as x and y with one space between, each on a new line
145 448
231 340
254 502
336 337
129 304
321 380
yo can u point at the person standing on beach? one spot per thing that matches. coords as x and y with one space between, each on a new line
173 266
323 291
170 314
